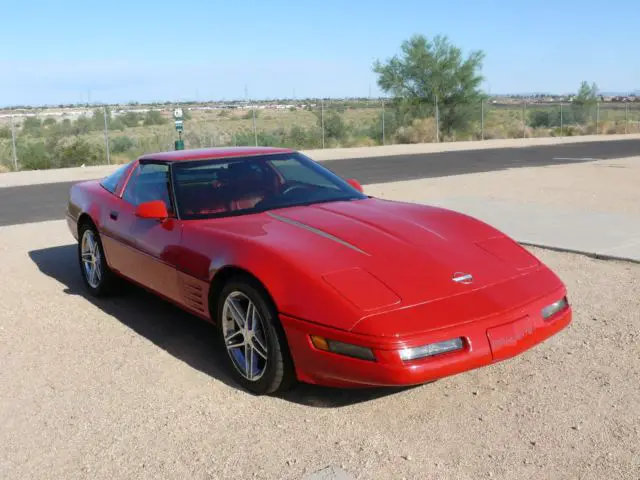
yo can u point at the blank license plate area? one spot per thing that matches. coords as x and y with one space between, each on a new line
507 340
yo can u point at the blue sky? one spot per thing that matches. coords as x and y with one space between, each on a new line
56 52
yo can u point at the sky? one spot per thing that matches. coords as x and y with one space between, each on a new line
142 50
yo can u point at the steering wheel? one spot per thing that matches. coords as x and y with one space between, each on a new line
292 188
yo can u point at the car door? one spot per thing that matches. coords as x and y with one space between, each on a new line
151 245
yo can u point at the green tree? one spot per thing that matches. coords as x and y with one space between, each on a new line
587 94
584 103
433 70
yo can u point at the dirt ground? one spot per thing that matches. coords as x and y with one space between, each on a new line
132 388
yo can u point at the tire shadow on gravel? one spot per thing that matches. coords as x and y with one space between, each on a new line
184 336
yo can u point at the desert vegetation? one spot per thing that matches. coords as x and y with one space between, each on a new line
432 94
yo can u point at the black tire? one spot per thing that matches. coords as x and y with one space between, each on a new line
279 373
109 281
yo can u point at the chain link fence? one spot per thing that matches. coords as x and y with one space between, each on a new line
104 135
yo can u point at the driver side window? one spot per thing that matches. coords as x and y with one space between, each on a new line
149 181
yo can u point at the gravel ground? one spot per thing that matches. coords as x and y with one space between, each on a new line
132 387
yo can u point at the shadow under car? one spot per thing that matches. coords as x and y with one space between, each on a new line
184 336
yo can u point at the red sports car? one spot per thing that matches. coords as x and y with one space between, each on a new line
307 278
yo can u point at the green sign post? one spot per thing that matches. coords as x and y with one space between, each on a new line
177 114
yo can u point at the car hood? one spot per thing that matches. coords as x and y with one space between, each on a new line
382 254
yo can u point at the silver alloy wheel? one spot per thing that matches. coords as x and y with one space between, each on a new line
91 259
244 336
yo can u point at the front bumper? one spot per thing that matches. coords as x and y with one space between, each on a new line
487 341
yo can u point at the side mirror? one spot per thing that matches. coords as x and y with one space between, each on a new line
155 209
355 184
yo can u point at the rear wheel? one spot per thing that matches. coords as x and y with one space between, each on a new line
257 351
96 274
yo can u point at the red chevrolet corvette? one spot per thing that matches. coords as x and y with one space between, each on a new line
306 277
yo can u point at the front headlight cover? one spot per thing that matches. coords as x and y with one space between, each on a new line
431 349
550 310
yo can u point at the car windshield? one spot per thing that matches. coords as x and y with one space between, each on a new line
216 188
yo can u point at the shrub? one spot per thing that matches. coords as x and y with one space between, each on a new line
154 117
82 126
421 130
130 119
78 153
542 118
33 155
249 114
121 144
32 126
334 125
304 138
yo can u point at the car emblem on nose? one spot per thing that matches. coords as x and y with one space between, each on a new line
461 277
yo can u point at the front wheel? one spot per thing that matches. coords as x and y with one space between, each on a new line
96 274
257 351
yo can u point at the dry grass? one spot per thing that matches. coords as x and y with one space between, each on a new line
207 128
420 131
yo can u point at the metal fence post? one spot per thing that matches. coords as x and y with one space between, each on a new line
106 135
626 118
597 116
437 121
482 119
561 120
13 142
383 139
524 119
255 130
322 120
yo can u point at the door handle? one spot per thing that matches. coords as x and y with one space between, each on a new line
113 215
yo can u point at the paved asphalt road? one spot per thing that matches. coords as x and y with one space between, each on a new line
38 203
